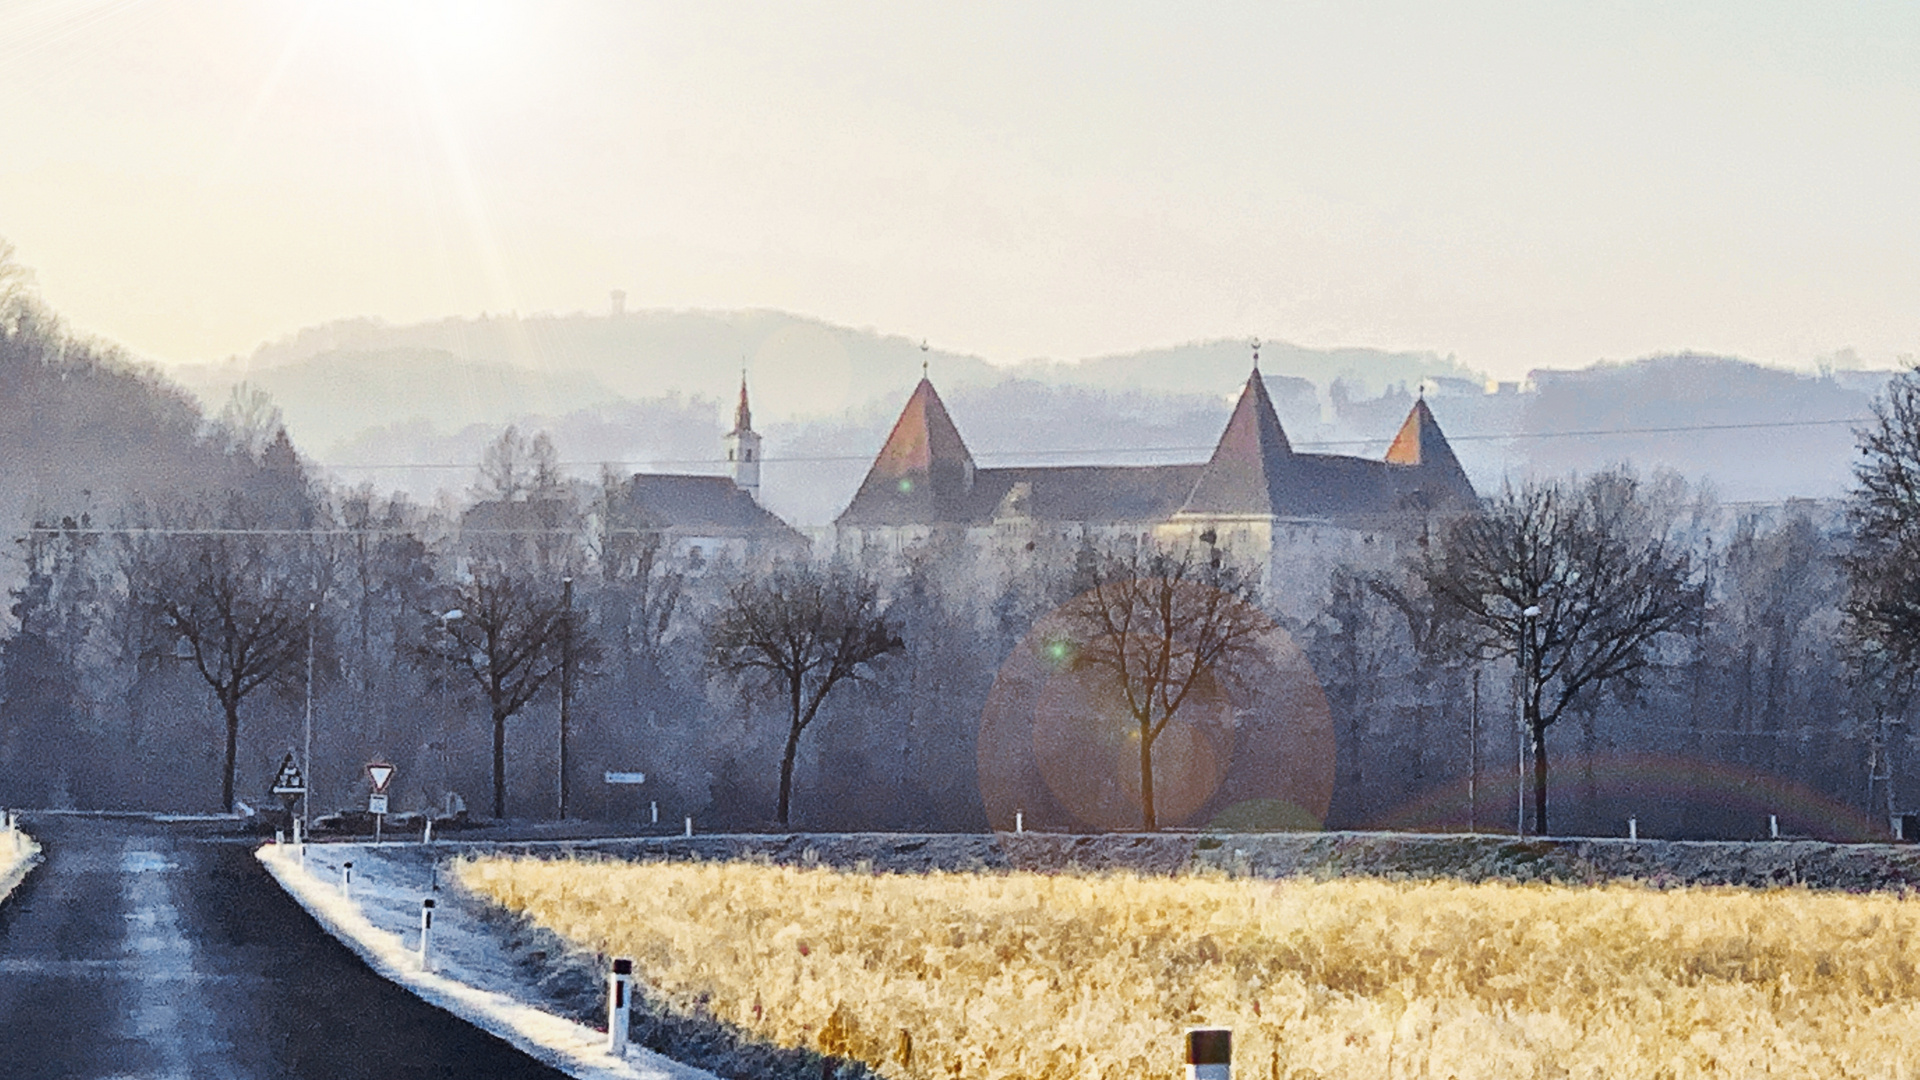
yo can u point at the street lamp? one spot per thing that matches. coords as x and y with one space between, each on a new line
1527 615
566 682
447 619
306 746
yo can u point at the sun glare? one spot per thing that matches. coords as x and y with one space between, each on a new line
441 32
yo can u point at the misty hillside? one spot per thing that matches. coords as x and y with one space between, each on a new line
409 407
338 381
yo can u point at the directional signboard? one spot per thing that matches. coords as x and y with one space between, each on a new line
376 804
288 780
381 774
626 777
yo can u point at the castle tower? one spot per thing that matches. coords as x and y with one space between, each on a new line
743 448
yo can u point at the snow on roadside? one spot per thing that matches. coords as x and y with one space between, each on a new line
472 974
18 854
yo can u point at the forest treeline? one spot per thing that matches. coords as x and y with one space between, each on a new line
182 586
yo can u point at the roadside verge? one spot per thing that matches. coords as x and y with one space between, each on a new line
375 922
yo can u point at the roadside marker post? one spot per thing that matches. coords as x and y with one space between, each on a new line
426 837
655 808
1773 826
1633 828
1209 1053
619 987
426 933
689 826
346 878
1019 821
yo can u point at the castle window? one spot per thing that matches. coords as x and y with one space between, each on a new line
729 455
749 453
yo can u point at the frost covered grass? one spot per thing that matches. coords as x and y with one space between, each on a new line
1049 977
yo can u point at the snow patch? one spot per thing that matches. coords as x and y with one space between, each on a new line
18 854
471 975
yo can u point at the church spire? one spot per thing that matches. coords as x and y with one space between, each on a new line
743 447
743 415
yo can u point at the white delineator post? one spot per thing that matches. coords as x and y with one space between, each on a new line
346 878
426 933
426 836
619 1005
1633 828
654 808
689 826
1209 1053
1019 821
1773 826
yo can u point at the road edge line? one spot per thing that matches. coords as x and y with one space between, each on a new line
575 1049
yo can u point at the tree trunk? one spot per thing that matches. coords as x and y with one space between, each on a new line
233 746
499 764
1539 777
1147 819
793 750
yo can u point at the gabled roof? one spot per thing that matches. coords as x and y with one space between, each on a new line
701 505
1252 470
923 472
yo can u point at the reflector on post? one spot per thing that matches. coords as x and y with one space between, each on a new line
1209 1053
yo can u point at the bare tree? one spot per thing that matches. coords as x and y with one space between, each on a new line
1160 624
1883 569
510 637
240 609
808 631
1577 582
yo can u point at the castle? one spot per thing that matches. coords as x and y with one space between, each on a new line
1293 516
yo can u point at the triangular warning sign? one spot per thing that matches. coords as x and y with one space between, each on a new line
288 780
379 772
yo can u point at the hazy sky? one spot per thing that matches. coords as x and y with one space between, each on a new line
1522 184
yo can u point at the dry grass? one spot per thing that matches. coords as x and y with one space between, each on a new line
1048 977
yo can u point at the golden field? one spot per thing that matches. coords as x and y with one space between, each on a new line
1043 977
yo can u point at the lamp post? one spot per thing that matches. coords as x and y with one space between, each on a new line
306 734
1527 616
566 682
447 619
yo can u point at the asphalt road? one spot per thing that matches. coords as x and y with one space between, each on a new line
164 951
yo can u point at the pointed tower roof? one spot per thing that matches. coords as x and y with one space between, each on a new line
1252 468
923 470
1421 446
742 415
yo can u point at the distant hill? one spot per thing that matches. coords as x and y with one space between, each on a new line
339 381
411 406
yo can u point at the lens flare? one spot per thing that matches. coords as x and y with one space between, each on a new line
1060 743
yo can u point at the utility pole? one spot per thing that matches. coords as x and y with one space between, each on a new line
566 682
1473 756
306 749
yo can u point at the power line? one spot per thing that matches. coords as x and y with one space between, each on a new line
1325 444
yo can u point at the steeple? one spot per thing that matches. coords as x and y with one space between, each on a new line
743 447
743 416
1251 468
923 470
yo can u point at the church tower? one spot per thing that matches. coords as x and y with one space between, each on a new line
743 448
